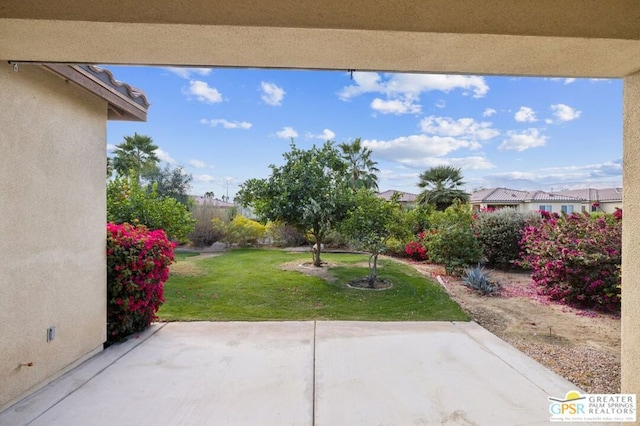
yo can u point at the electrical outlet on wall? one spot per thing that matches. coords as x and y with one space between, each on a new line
51 333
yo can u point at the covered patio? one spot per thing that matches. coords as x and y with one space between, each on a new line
571 38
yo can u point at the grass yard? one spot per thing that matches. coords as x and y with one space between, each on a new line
250 285
182 255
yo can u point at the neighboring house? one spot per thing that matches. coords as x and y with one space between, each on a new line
52 217
597 200
526 201
406 198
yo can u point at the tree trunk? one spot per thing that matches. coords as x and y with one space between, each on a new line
317 248
373 270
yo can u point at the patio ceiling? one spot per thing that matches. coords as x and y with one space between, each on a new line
573 38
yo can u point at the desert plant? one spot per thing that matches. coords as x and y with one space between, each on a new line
478 279
137 267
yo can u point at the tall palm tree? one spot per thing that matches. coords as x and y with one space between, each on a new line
362 169
441 187
137 154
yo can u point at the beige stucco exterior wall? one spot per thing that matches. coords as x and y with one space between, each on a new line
52 226
631 237
556 206
609 207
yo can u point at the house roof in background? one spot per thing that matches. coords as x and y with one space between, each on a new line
125 102
593 194
514 196
405 197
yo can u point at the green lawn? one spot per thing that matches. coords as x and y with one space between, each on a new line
248 285
182 255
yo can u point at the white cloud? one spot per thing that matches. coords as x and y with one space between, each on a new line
197 164
564 80
521 141
111 147
395 106
564 113
464 163
272 94
287 133
203 92
525 115
412 85
472 163
488 112
215 122
465 128
164 156
406 149
600 175
441 104
186 73
203 178
327 134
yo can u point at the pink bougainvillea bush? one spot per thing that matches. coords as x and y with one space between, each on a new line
137 267
575 259
416 250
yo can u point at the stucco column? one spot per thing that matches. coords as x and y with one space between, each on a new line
631 238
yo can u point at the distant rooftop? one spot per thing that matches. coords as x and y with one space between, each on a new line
514 196
592 194
405 197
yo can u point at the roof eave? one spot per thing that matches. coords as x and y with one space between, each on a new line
120 107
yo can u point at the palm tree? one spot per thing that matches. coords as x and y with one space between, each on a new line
137 154
109 167
362 169
441 187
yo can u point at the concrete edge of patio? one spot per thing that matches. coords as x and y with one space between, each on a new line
336 364
33 406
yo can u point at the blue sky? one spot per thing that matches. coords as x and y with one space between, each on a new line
225 126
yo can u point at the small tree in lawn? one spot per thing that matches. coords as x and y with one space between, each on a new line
309 192
370 223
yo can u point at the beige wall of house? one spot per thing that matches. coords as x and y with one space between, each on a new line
608 206
631 238
52 226
556 207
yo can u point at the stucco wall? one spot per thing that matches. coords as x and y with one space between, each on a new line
556 206
631 238
609 207
52 226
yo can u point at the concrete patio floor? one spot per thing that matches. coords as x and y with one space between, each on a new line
300 373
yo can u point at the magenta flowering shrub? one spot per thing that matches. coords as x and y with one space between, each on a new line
575 258
137 267
416 250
